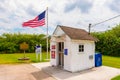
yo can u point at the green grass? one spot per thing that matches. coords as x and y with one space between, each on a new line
13 58
116 78
111 61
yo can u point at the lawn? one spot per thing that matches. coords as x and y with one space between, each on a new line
111 61
13 58
116 78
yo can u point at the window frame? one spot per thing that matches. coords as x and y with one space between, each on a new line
81 48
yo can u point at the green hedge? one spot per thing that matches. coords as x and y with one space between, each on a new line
10 43
109 41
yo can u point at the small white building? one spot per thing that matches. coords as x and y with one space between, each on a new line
71 48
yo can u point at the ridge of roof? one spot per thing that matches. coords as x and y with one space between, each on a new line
77 34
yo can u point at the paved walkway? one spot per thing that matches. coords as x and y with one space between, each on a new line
43 71
99 73
22 72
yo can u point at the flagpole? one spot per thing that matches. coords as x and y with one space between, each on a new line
47 32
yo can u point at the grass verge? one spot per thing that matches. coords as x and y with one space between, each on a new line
116 78
13 58
111 61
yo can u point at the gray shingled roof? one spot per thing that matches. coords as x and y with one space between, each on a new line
77 34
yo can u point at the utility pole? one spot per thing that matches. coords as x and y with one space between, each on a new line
92 25
89 27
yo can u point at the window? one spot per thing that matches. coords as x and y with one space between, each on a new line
81 48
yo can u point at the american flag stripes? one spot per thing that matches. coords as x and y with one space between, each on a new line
36 22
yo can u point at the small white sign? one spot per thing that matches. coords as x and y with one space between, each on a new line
38 51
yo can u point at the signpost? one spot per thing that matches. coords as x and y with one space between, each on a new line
24 46
38 51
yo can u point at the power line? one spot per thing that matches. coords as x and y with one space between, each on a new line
90 25
105 20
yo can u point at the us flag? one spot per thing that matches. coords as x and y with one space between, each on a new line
36 22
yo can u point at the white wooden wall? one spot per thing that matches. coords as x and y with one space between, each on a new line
81 61
74 61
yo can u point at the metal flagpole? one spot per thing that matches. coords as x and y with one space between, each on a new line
40 52
36 52
47 32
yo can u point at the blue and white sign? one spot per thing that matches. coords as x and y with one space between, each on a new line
38 50
37 47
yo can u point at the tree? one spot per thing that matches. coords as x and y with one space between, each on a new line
109 41
9 43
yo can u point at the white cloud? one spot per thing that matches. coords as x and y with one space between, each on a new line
114 5
83 5
14 12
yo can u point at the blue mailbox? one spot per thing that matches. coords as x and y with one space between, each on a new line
65 51
98 59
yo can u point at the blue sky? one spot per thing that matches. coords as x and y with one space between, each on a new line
73 13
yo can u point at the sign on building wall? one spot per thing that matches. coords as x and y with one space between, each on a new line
53 47
53 54
65 51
